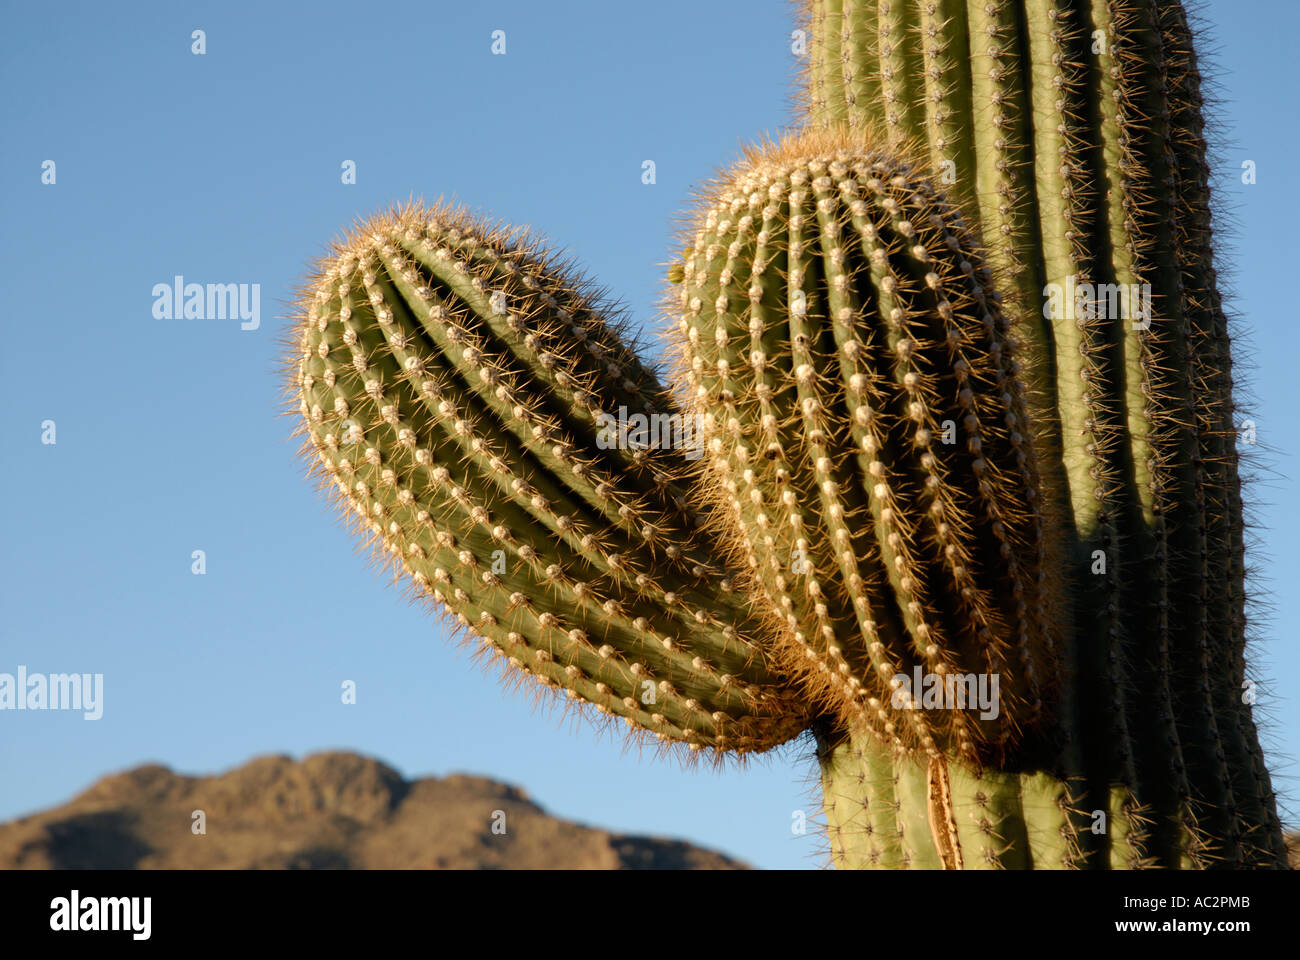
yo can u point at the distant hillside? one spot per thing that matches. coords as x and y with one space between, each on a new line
329 811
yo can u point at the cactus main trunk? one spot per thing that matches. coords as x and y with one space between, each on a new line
1069 133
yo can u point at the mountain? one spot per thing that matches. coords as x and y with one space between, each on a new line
327 811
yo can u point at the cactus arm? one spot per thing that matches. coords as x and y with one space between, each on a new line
763 524
837 488
763 491
469 452
888 320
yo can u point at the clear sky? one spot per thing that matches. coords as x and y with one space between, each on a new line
226 168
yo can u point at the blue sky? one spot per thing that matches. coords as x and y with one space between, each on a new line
226 168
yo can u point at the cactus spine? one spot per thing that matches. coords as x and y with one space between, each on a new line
1068 135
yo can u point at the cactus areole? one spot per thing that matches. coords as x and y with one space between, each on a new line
958 493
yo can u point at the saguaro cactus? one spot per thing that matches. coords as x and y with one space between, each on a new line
1067 137
968 508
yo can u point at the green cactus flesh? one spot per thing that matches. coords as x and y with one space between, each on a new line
1068 137
453 381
